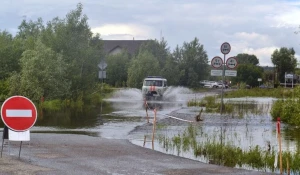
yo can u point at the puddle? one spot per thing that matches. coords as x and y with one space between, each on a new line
248 132
124 113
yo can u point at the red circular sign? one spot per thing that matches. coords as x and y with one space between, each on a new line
225 48
18 113
216 62
231 63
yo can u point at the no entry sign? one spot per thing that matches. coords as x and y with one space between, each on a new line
18 113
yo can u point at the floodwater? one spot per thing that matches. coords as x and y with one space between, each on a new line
249 126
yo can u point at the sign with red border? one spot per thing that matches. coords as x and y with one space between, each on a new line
217 62
225 48
231 62
18 113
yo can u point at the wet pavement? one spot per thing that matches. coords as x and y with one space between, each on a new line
48 154
102 144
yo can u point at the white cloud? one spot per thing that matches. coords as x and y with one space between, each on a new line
263 54
253 26
124 31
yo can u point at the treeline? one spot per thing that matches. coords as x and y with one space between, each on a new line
58 60
186 66
53 61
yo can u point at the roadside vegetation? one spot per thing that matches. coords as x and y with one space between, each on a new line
287 105
261 92
214 151
55 63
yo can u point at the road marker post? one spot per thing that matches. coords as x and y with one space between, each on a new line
153 130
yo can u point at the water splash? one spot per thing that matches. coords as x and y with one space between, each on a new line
132 98
176 93
130 94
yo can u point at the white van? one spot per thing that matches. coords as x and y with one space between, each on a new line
154 87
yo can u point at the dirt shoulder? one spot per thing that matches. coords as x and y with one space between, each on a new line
79 154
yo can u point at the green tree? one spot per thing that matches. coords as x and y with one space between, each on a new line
244 58
43 73
249 74
10 53
159 49
285 61
28 33
170 69
117 69
72 37
193 63
145 64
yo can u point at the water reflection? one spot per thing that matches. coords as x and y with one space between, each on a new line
251 138
87 118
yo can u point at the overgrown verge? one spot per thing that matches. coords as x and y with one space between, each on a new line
216 152
261 92
94 98
288 109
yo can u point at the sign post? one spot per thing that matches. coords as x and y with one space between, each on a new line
102 75
225 49
19 114
217 62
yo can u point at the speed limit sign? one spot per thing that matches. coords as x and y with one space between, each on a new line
225 48
231 62
216 62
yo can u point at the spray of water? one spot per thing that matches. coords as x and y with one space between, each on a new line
132 98
176 94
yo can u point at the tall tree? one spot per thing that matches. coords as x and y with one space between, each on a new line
159 49
244 58
72 37
248 73
29 31
10 53
285 61
170 69
117 69
194 63
145 64
43 73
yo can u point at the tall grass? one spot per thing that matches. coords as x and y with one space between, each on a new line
288 109
227 154
259 92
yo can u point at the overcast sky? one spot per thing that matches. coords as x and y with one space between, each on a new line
250 26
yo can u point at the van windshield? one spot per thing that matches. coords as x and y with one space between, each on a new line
153 83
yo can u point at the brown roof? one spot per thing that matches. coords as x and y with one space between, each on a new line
130 45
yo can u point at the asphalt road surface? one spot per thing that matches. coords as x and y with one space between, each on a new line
48 154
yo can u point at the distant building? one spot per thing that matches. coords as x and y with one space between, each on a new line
112 47
267 68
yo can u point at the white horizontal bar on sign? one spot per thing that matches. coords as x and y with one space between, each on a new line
18 113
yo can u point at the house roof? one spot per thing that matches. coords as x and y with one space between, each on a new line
130 45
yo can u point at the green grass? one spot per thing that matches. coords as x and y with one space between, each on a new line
222 153
259 92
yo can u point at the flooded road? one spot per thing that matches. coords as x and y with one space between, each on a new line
123 117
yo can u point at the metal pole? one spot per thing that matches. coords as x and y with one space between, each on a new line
223 74
2 147
285 79
101 92
20 149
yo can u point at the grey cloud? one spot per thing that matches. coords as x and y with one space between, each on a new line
212 21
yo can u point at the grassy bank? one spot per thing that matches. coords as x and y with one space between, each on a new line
216 152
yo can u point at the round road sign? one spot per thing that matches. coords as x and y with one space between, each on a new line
231 62
225 48
216 62
18 113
